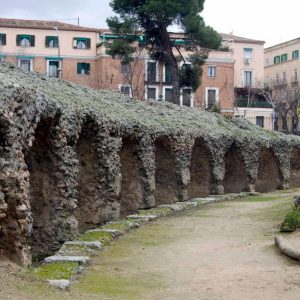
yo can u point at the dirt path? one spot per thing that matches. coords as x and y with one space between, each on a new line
222 251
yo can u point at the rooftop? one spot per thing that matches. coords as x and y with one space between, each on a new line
239 39
42 24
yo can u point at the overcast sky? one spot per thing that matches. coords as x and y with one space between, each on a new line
271 21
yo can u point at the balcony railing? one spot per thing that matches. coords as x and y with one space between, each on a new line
279 82
294 79
253 104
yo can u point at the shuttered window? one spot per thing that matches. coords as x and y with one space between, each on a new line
52 41
81 43
83 68
168 73
25 40
2 39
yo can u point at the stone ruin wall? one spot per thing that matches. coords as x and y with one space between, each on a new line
65 172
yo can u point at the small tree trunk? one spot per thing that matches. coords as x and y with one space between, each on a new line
171 60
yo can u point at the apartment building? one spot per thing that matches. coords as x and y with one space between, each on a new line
149 79
282 64
249 80
282 67
50 47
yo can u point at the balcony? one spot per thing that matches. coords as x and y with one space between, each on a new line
294 79
252 104
280 82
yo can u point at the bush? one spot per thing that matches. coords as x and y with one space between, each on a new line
291 221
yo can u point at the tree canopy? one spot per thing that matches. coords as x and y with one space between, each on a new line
152 19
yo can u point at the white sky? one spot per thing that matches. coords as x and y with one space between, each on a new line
271 21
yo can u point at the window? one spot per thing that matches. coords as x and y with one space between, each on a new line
248 54
168 94
52 41
211 97
295 54
212 71
167 73
2 39
284 76
276 59
25 64
53 68
247 78
277 77
81 43
283 57
151 92
260 121
25 40
186 97
295 77
126 89
151 71
125 69
83 68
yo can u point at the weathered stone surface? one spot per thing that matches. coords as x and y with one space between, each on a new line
56 258
96 245
143 218
60 284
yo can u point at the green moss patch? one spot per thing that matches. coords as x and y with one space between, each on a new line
121 225
265 198
57 270
91 236
162 211
77 250
119 285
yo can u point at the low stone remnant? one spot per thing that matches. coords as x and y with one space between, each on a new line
60 284
77 259
74 158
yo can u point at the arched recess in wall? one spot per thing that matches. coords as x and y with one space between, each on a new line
268 177
295 168
91 207
132 195
165 173
43 193
200 170
235 179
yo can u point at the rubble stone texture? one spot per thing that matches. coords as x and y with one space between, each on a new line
73 158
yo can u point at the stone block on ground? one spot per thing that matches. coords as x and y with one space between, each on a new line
60 258
60 284
142 218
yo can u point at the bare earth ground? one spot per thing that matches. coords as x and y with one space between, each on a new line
222 251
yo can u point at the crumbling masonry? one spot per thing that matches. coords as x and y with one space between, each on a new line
73 158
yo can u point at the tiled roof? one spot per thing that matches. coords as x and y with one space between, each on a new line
239 39
41 24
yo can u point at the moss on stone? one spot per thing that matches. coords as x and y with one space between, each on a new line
77 250
121 225
57 270
91 236
160 211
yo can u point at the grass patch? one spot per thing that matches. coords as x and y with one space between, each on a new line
291 221
265 198
116 284
57 270
103 237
